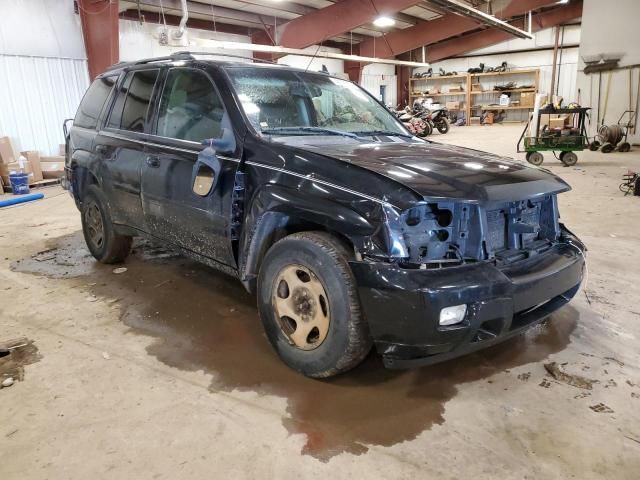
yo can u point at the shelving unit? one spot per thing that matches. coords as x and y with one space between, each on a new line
424 83
489 80
478 101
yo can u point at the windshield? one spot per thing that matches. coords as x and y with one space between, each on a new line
284 102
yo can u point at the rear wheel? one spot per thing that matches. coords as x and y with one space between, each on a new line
535 158
99 234
443 126
309 305
568 158
624 147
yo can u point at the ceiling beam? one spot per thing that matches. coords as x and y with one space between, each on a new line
474 41
334 20
447 26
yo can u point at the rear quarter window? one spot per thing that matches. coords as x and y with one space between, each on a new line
93 101
132 104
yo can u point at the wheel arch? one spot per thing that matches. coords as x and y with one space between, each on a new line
276 212
83 175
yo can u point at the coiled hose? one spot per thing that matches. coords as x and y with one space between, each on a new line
610 134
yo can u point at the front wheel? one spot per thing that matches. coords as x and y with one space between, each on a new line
535 158
99 234
309 306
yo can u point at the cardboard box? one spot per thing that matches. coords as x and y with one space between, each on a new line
557 122
527 99
456 89
52 167
6 151
476 87
33 157
453 105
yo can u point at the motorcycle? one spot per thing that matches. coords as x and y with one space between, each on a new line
440 119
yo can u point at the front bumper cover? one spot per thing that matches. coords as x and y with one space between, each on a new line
403 306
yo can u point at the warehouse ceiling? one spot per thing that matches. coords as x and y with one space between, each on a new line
349 24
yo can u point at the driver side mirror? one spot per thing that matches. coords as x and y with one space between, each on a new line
207 168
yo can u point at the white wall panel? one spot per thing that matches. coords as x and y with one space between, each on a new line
141 40
46 28
38 93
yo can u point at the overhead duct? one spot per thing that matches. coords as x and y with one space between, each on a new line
183 21
468 11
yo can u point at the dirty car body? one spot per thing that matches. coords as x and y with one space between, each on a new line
435 230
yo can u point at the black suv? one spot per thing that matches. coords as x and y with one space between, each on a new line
351 231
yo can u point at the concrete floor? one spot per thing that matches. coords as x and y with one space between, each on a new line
163 371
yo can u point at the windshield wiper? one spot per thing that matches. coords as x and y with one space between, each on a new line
387 133
328 131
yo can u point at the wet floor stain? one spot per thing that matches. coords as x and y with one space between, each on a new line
205 320
15 354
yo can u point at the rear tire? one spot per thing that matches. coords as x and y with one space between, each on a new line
624 147
568 159
443 126
99 234
305 285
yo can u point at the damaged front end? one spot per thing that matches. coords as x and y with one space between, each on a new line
437 234
462 275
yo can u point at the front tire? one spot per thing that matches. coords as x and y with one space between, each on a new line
535 158
309 306
99 234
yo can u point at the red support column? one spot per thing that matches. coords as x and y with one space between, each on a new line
402 84
99 20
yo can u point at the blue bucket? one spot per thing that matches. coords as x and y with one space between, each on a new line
19 183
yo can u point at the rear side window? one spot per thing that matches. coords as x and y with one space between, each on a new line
93 101
132 104
190 108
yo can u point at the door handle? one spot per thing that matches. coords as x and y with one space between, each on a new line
101 149
153 162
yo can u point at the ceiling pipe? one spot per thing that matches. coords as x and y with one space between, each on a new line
183 21
463 9
223 45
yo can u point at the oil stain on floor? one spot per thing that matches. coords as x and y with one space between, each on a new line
205 320
15 354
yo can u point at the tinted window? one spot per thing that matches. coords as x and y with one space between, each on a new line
130 110
93 101
190 108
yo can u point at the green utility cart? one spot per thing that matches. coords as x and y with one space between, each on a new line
567 138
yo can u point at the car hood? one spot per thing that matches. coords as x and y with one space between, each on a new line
435 170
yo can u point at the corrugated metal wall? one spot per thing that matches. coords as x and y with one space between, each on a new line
37 94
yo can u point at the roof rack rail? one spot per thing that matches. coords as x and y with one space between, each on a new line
231 55
186 55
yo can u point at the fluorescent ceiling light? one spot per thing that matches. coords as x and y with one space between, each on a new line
467 11
384 21
252 47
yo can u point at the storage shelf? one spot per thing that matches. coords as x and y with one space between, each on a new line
446 77
456 94
499 107
499 74
528 76
514 90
